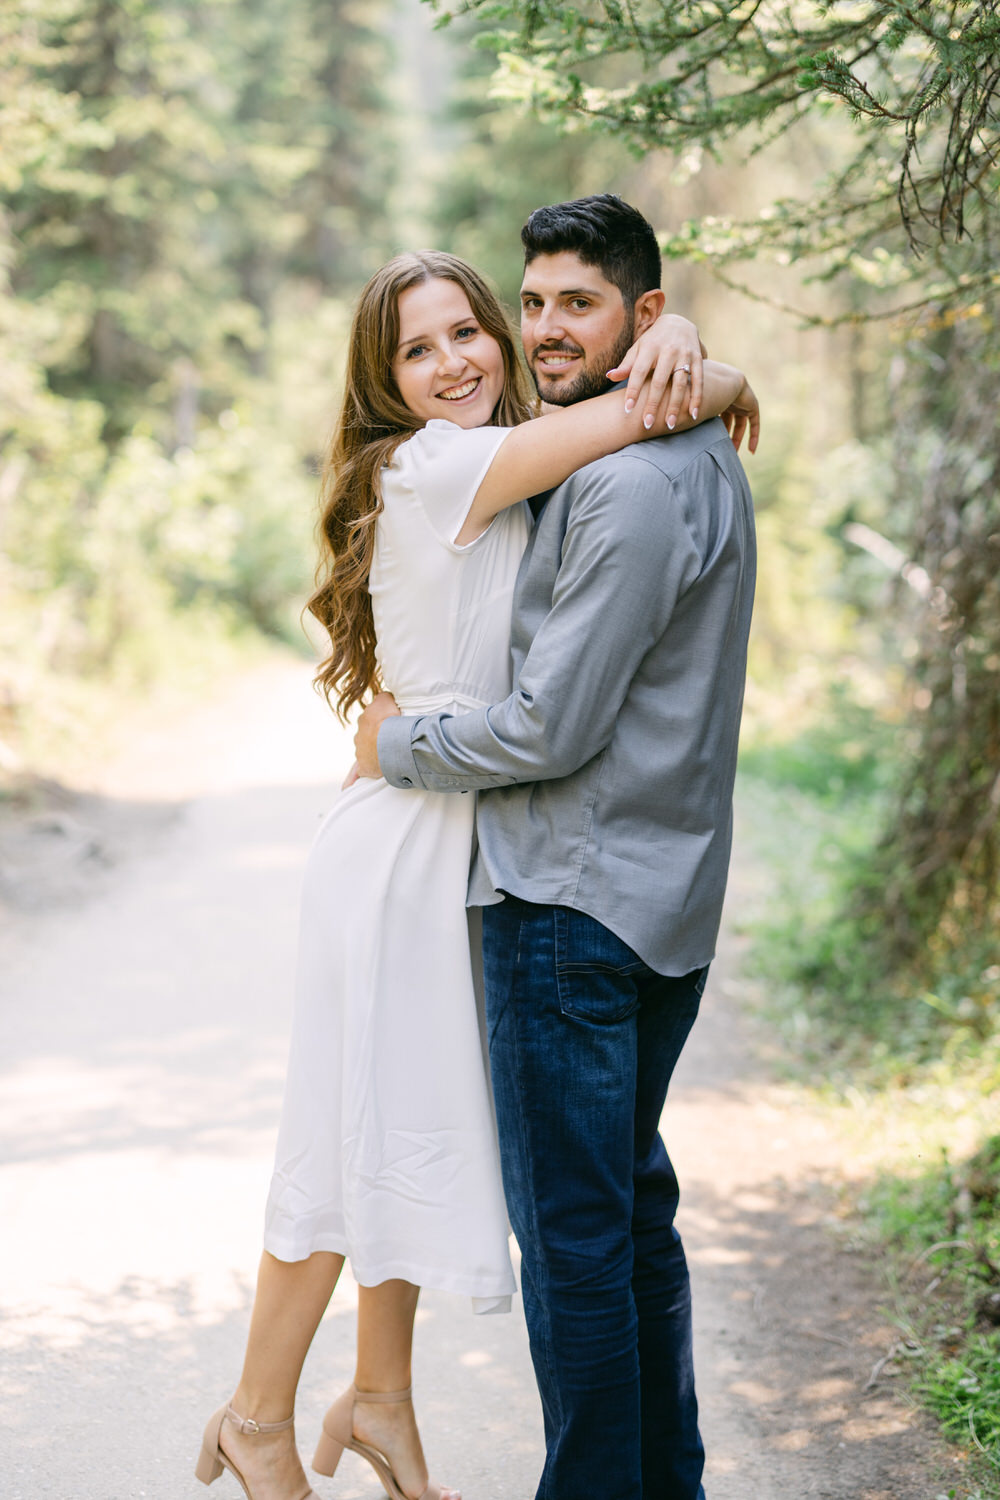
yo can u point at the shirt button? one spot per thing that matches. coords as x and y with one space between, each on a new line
406 781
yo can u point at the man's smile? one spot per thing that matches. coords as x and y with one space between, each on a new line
553 361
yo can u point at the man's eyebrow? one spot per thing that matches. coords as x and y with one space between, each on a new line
572 291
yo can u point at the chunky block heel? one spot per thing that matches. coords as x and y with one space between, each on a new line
328 1454
208 1468
338 1434
212 1460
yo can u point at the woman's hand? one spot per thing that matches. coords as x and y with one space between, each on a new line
382 707
667 357
744 412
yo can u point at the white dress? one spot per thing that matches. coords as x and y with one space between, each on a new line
387 1147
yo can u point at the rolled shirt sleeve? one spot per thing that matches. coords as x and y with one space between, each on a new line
628 556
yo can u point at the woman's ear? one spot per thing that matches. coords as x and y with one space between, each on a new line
648 308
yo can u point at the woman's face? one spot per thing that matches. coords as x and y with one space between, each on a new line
446 364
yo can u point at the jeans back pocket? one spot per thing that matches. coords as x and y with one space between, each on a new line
595 969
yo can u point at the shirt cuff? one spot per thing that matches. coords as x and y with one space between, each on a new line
395 755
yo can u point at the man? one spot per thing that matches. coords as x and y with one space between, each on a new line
604 835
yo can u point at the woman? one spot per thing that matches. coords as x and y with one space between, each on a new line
386 1151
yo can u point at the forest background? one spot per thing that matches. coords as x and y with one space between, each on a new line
190 198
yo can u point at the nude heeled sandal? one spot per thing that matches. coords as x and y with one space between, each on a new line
212 1459
338 1434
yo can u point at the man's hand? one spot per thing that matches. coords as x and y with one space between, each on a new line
382 707
744 413
667 357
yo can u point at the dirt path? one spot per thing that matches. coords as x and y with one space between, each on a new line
146 951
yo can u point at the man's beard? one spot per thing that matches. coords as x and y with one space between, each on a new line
593 378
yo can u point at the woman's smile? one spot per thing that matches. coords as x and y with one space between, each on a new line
460 392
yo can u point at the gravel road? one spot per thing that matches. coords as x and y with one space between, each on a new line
146 948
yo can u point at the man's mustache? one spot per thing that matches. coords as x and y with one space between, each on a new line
562 348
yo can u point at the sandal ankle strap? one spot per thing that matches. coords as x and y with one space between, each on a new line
366 1396
249 1426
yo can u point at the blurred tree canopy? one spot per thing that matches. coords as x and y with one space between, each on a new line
504 164
922 82
906 220
170 173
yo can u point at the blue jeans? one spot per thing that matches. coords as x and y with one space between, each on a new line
583 1039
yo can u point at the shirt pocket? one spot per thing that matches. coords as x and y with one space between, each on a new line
595 970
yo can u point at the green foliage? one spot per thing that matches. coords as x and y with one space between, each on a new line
852 1018
845 757
223 525
964 1392
921 86
170 173
481 203
881 941
181 161
942 1230
939 873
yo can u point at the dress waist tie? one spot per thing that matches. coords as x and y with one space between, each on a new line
439 703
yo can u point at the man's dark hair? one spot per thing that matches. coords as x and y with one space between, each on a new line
604 232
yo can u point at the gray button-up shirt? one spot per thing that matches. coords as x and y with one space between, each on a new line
606 777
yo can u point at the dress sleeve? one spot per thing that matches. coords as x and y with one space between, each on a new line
444 465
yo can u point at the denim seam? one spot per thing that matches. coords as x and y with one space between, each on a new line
566 965
600 968
528 1159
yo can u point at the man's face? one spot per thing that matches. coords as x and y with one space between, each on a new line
574 327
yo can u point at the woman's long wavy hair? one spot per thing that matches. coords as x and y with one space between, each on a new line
373 421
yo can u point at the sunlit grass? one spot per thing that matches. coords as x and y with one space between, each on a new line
912 1075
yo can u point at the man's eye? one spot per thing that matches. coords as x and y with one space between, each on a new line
579 303
530 304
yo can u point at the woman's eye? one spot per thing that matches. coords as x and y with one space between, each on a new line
415 350
466 333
